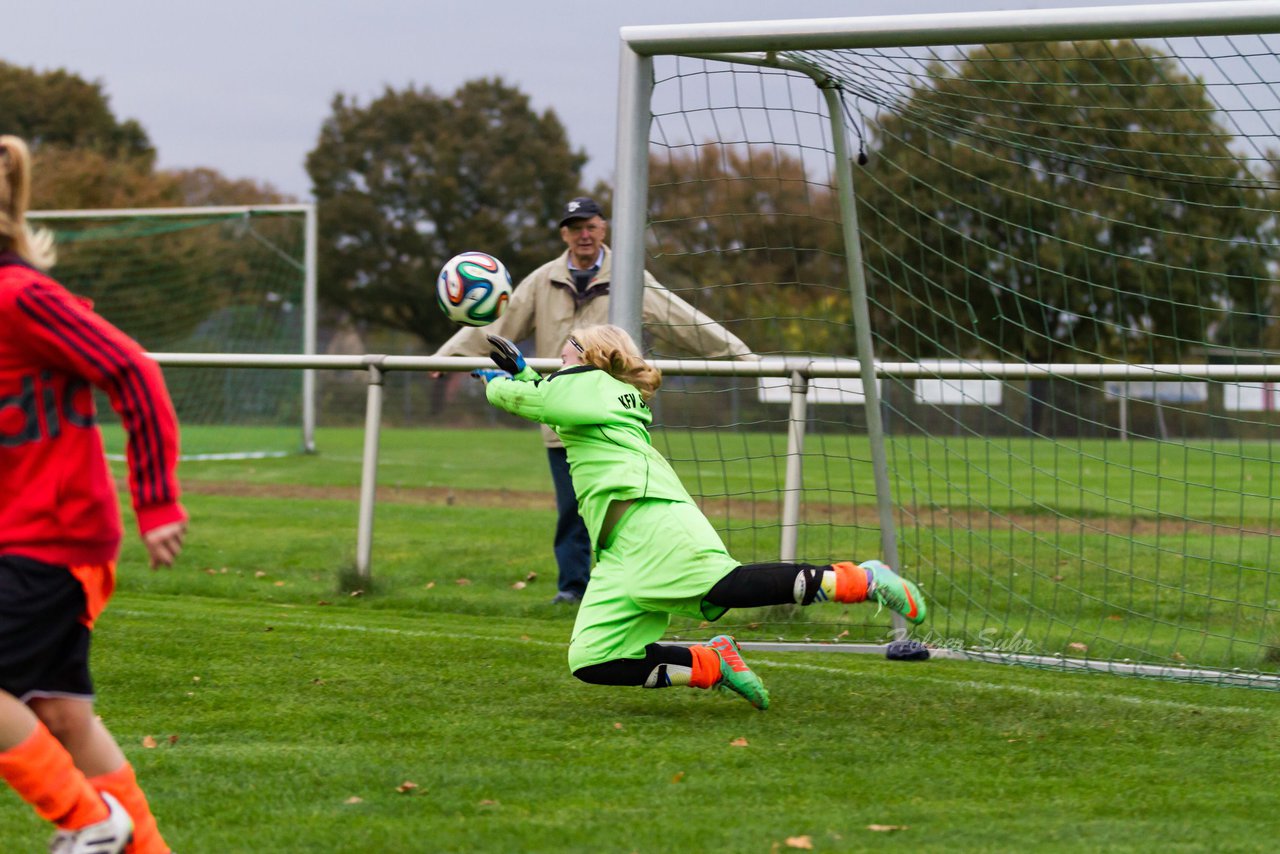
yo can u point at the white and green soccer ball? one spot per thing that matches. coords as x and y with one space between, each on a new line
473 288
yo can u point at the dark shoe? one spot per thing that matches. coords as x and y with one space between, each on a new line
566 597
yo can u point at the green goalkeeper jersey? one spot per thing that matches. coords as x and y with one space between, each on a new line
603 423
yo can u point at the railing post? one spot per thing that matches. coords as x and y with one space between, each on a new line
369 467
793 486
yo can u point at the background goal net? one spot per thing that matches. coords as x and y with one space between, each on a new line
1036 214
202 280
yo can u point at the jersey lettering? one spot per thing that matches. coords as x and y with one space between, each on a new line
20 414
24 404
631 400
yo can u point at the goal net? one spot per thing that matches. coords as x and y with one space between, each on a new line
202 280
1052 237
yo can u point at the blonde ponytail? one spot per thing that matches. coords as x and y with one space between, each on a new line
613 351
34 247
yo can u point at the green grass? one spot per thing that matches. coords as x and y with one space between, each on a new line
276 694
270 718
1231 483
1170 588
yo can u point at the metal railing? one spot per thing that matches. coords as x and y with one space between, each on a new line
799 370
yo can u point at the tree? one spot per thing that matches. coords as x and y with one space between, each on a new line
413 178
1060 202
203 186
62 109
84 157
744 234
66 178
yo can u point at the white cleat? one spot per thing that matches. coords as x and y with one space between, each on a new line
108 836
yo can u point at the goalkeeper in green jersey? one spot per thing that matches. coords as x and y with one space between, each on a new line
656 553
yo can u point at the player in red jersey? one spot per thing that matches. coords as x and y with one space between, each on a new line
60 531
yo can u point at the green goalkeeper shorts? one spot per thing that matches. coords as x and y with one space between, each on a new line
661 559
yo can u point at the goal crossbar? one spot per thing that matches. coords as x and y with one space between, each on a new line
1086 22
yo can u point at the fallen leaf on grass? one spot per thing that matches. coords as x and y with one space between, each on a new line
1076 646
259 574
173 739
463 582
488 803
429 585
406 787
354 799
738 742
887 828
148 741
279 584
355 593
804 842
519 585
617 724
679 776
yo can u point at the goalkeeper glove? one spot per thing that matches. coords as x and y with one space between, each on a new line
506 355
488 374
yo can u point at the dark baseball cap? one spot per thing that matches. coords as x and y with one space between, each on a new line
580 208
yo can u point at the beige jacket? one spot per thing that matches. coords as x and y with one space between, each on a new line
546 305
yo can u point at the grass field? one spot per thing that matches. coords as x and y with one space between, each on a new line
293 707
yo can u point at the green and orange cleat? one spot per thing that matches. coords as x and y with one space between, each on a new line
735 675
894 592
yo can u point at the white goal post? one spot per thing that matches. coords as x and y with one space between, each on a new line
1085 196
239 263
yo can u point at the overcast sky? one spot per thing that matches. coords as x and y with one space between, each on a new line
243 86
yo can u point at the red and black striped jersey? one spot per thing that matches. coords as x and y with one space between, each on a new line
58 500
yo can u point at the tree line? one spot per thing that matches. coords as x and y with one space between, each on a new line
983 231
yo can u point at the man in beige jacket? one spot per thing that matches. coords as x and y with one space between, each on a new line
571 291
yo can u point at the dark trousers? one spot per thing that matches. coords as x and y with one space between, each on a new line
572 543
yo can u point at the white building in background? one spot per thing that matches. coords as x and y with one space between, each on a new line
1164 391
848 391
1251 397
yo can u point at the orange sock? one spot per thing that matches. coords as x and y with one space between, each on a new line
123 784
41 771
706 667
851 582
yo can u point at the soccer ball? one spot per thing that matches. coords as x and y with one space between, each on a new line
473 289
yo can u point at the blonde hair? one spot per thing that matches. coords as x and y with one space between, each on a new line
34 247
613 351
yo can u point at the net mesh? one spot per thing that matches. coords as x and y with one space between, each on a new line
200 283
1077 203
